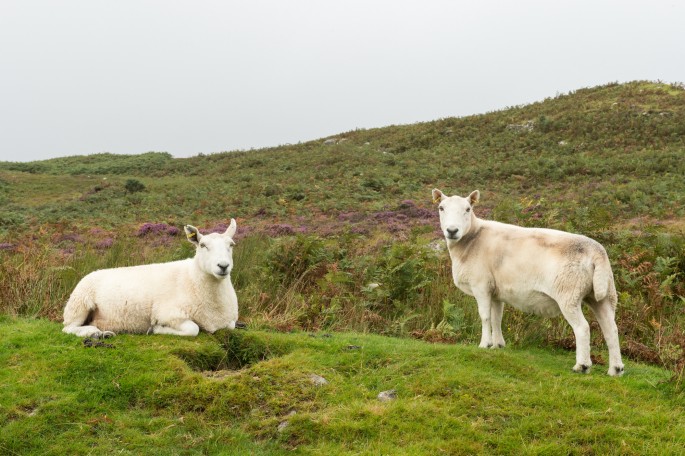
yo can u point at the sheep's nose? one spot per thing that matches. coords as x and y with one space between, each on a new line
223 266
452 232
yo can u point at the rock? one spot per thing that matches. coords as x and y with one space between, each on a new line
282 425
285 423
330 141
318 380
387 396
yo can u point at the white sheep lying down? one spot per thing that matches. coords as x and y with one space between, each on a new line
541 271
178 297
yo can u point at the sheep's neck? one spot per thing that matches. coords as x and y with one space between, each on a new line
209 286
460 249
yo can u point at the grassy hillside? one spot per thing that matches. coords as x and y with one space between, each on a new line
254 393
618 146
320 221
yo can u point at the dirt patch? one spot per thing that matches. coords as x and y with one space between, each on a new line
234 352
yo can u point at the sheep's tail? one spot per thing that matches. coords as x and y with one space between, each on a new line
603 280
79 306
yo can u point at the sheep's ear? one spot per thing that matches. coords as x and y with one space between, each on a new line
193 234
474 197
230 231
438 196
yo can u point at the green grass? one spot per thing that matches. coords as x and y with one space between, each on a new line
228 393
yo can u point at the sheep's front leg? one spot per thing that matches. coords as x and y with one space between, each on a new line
484 301
184 328
497 308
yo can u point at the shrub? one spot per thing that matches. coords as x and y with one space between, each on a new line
133 186
299 260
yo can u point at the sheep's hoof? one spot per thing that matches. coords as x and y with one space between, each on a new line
240 325
103 335
581 368
616 371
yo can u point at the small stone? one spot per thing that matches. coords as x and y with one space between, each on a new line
387 396
318 380
284 424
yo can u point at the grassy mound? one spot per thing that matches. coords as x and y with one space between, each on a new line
256 392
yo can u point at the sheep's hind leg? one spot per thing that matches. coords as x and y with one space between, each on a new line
581 329
88 331
184 328
78 313
605 314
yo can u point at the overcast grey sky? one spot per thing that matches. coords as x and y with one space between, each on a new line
124 76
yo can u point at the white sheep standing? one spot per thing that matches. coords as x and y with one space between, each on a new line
178 297
542 271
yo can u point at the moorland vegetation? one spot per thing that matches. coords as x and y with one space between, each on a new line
341 235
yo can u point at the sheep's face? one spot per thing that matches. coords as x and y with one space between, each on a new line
213 252
455 213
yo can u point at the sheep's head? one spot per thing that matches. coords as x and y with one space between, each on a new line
213 252
455 213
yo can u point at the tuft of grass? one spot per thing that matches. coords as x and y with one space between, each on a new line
251 393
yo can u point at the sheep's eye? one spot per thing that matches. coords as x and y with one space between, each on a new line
441 208
204 246
468 209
